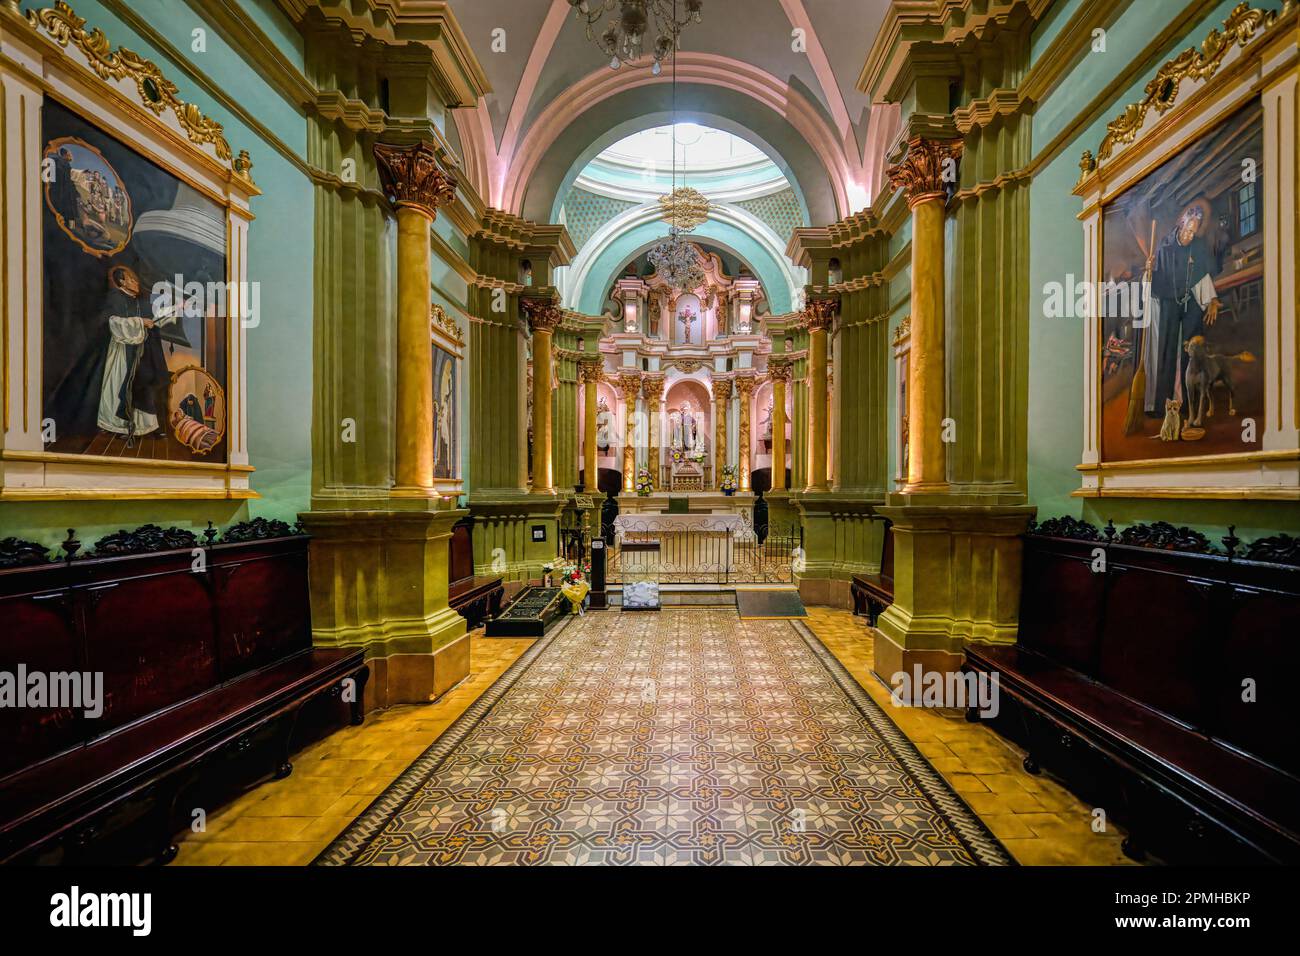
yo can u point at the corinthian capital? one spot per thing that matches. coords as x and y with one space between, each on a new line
926 170
820 313
412 177
589 370
778 369
543 314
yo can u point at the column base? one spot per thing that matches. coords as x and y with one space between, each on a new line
414 491
379 581
926 488
957 577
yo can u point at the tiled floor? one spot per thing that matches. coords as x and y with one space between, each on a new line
290 821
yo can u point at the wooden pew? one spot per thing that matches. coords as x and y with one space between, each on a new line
872 593
1135 653
205 675
474 597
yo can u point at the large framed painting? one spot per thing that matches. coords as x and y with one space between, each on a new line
131 365
1189 224
126 300
448 347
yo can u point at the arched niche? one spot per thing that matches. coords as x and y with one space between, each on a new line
759 416
699 394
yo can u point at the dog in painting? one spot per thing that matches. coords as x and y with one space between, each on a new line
1205 369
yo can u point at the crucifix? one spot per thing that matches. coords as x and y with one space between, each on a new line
686 318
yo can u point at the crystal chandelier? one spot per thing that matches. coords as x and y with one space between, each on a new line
624 39
685 208
677 262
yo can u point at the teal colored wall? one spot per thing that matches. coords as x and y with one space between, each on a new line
1056 250
766 269
280 258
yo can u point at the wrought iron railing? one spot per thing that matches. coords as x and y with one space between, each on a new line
705 553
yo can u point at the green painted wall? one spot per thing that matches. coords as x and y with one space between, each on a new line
1056 250
280 258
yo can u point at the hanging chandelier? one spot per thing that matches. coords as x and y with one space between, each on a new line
685 208
677 262
624 39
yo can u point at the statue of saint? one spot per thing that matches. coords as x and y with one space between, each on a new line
767 424
603 418
675 428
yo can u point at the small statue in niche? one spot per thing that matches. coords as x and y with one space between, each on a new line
603 419
767 425
686 317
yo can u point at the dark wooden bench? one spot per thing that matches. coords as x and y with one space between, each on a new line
475 597
1128 682
872 593
207 678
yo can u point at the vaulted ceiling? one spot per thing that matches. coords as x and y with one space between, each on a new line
555 102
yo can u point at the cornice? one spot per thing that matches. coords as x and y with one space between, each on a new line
1068 47
457 73
913 23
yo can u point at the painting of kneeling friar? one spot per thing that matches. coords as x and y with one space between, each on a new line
134 263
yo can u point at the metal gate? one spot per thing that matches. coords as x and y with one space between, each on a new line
703 555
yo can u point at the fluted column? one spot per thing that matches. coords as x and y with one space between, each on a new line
721 398
589 372
417 186
779 369
543 316
630 383
745 388
820 313
924 173
652 389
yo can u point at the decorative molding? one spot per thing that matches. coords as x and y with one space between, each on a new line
921 172
260 529
1239 30
157 93
1278 549
413 178
17 553
904 331
1065 527
144 540
1163 536
442 323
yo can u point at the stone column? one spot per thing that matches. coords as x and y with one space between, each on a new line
923 174
745 388
417 186
589 370
780 370
820 313
652 389
721 398
630 383
543 316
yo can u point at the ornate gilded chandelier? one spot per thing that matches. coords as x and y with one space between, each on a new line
624 39
684 207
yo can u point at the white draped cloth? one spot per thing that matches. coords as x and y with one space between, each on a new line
124 330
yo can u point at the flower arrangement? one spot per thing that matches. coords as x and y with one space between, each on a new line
644 484
729 483
680 456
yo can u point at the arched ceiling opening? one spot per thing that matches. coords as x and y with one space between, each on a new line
810 175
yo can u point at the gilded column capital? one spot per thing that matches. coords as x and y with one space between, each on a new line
629 384
779 369
926 170
413 178
652 387
591 371
745 384
819 314
543 314
722 388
